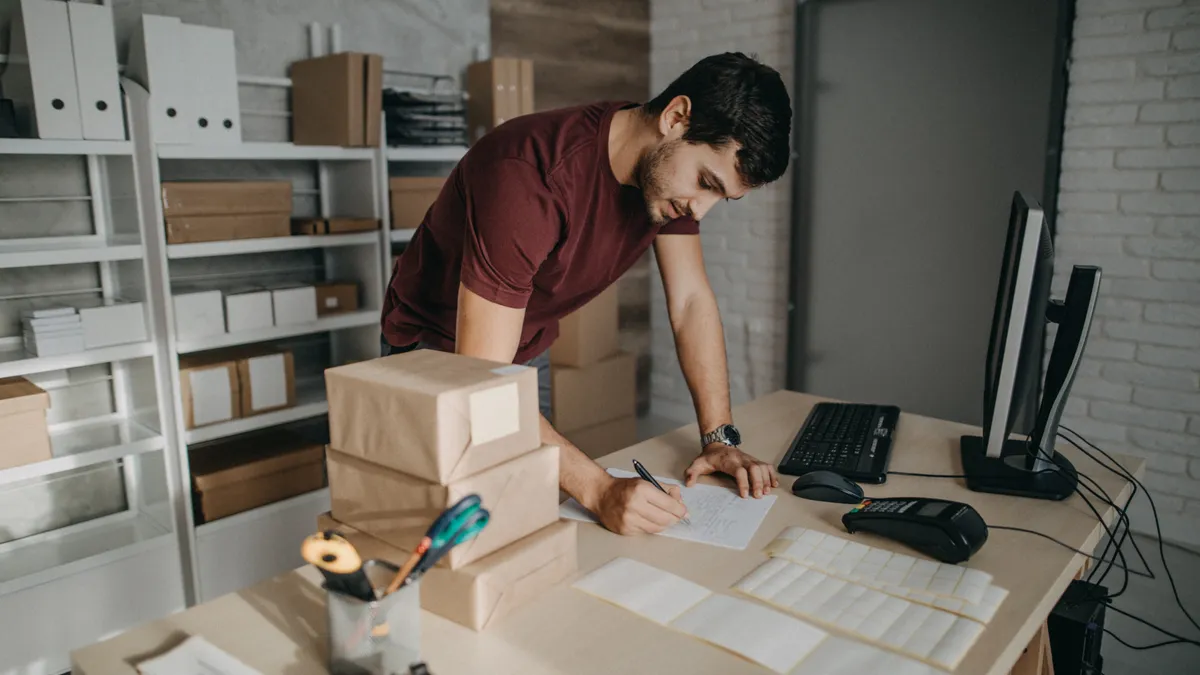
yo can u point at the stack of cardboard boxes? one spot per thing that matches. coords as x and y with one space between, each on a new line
220 210
594 383
410 435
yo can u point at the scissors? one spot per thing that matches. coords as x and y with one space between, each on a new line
456 525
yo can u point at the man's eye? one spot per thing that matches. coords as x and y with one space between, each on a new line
704 185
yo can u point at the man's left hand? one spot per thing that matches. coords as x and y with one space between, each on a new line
753 476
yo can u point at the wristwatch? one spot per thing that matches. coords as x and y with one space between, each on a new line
726 433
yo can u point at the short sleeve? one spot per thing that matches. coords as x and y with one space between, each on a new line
685 225
513 223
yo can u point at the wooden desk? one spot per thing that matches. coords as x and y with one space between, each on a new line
278 626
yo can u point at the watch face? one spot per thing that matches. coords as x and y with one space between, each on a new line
732 434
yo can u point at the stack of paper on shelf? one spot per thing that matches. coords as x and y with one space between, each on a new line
52 331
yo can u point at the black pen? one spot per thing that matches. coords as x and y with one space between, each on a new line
641 471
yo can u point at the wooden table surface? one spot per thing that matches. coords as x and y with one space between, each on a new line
278 626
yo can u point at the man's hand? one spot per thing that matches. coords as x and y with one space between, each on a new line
634 506
752 475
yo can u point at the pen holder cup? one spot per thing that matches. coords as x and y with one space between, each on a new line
375 638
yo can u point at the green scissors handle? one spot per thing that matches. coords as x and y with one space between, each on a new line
462 529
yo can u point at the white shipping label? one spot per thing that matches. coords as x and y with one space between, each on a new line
495 413
212 395
268 382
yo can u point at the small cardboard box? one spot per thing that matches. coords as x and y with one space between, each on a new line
221 198
251 471
209 386
606 437
337 100
294 305
411 197
113 322
521 495
601 392
336 297
433 415
198 314
267 380
248 309
483 593
191 229
500 89
589 334
319 226
23 407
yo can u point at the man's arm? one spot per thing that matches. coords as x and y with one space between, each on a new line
700 344
488 330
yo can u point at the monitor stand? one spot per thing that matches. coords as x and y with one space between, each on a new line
1015 473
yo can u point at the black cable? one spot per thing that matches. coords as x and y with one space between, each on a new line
1156 645
1069 548
1147 623
927 475
1153 508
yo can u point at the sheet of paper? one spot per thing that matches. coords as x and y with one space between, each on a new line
643 589
840 656
717 515
195 656
763 635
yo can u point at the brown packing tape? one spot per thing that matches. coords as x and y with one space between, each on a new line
521 495
487 591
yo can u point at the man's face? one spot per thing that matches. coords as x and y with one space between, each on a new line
680 178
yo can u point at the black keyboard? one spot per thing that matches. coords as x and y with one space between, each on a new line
851 439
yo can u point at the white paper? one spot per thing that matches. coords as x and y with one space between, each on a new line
717 515
212 396
495 412
268 382
839 656
510 369
195 656
643 589
763 635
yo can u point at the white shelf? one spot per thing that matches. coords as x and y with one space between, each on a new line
16 362
87 444
420 153
320 496
264 151
13 255
338 322
310 402
41 146
403 236
267 244
78 548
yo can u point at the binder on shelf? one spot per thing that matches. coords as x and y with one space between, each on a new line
155 63
211 70
40 74
95 51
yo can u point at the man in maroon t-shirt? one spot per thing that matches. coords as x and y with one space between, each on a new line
549 209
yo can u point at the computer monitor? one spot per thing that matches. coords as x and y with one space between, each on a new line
1029 466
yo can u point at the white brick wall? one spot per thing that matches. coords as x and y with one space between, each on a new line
745 242
1130 202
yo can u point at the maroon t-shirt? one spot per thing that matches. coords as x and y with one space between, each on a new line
531 217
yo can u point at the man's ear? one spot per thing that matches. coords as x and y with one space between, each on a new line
673 121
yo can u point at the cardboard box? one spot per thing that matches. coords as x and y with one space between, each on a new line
589 334
601 392
266 379
433 415
237 475
23 407
113 322
336 297
521 495
606 437
483 593
294 305
209 386
337 100
248 309
411 197
221 198
500 89
319 226
191 229
198 314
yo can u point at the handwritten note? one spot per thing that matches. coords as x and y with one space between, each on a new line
718 516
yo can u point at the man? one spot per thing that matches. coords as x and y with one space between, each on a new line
549 209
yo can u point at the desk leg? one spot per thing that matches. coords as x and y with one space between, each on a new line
1036 659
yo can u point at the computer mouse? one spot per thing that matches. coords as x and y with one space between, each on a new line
827 486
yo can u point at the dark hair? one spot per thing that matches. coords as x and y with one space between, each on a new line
736 98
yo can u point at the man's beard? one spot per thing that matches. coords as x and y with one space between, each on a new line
649 177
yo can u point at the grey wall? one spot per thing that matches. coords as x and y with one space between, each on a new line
419 35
